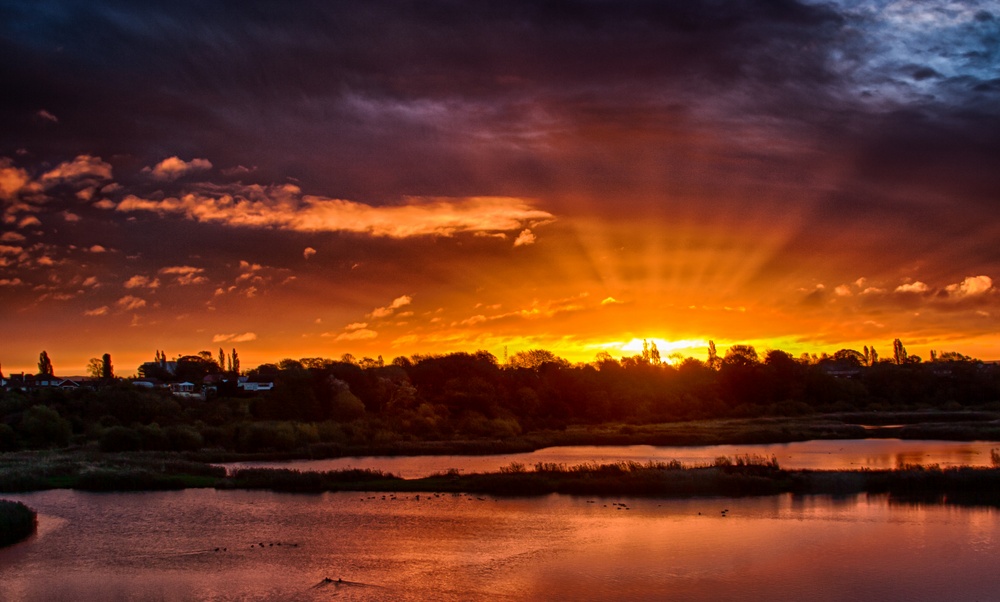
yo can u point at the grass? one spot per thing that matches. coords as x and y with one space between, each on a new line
726 476
17 522
95 471
958 426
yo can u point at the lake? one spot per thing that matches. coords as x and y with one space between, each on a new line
849 454
203 544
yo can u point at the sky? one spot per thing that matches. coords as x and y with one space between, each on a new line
310 179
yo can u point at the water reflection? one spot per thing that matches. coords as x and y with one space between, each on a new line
460 547
814 455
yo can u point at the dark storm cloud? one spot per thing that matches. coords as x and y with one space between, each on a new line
321 90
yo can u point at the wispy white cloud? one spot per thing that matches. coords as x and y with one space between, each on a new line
97 311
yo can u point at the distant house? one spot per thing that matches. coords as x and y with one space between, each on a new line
69 384
184 387
148 383
26 382
255 386
33 382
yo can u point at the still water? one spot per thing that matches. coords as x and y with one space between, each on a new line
813 455
162 546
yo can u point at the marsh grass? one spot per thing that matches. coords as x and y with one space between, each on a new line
741 475
17 522
103 472
288 480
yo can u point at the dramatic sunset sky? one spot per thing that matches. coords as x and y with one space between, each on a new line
310 179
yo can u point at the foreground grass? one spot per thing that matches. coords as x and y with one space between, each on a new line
17 522
733 477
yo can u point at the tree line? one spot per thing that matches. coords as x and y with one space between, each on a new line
473 395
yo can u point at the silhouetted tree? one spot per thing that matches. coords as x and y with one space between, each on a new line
107 371
94 367
898 352
713 357
44 364
533 358
850 357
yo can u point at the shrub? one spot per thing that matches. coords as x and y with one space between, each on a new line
184 438
17 522
120 439
8 438
42 427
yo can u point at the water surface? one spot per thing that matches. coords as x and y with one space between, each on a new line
162 546
815 455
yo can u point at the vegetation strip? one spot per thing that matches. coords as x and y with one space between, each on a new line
727 476
17 522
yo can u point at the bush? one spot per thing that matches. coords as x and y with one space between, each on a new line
184 438
120 439
8 438
42 427
17 522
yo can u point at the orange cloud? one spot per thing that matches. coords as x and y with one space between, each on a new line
524 238
139 281
235 338
12 180
186 275
914 287
83 166
130 302
363 334
281 207
383 312
174 167
973 285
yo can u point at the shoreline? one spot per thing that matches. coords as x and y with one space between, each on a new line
738 476
89 469
931 424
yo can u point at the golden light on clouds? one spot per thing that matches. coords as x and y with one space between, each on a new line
609 179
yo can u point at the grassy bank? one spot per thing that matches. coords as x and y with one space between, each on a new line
953 426
96 471
17 522
739 476
962 485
